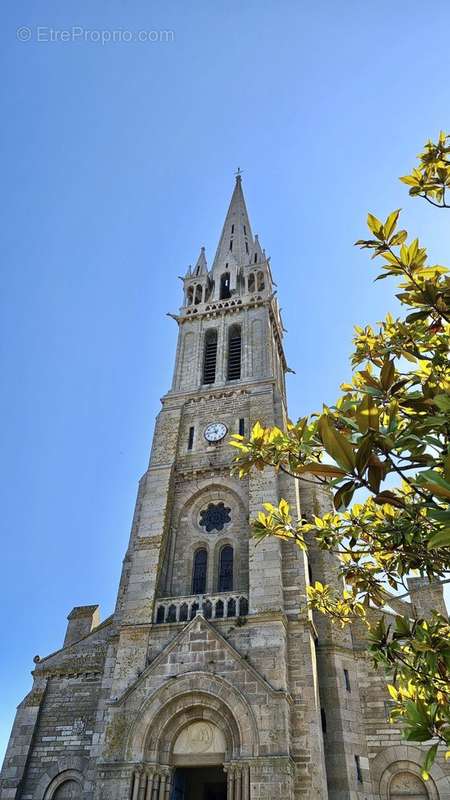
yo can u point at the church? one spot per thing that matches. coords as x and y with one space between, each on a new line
212 680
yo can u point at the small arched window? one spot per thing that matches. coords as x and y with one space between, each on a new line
226 569
199 572
260 281
251 282
190 296
198 294
225 286
210 356
234 353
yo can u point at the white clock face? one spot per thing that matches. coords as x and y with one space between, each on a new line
215 432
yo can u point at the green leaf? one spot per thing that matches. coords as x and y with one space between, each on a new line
442 401
440 539
435 483
417 734
387 373
363 454
325 470
429 761
416 315
336 445
343 496
389 498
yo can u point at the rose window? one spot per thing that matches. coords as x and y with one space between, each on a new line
215 517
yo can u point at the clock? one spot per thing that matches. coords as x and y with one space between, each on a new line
215 431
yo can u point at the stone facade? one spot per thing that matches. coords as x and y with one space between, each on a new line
211 679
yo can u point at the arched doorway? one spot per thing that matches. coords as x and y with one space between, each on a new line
199 783
198 755
407 786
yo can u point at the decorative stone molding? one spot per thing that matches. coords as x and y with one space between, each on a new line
57 773
405 758
224 605
194 696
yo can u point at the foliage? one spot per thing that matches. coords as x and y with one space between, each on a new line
388 434
431 179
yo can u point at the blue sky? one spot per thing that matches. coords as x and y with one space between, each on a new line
120 162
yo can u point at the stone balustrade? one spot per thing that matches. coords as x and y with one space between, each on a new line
213 606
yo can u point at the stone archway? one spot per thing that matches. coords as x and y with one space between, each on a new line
407 786
67 785
196 720
398 769
192 695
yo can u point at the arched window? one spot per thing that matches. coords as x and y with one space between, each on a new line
234 353
190 296
210 357
219 609
160 614
260 281
225 286
198 294
251 282
199 572
207 609
194 609
226 569
243 606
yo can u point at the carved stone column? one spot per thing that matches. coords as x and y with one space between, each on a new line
237 783
142 785
245 790
136 780
149 789
230 783
162 787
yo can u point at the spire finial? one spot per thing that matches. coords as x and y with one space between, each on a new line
238 174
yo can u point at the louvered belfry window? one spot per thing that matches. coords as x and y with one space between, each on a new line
226 569
234 353
210 357
199 572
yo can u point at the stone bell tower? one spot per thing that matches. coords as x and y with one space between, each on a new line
206 619
208 679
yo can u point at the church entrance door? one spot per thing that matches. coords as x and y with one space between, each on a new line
199 783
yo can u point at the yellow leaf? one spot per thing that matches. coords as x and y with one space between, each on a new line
375 225
367 414
392 691
257 432
390 224
336 445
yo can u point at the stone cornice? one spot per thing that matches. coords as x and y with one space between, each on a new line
210 310
178 399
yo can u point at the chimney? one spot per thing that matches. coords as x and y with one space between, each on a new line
82 620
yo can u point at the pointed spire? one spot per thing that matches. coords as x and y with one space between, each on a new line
201 267
237 238
257 251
